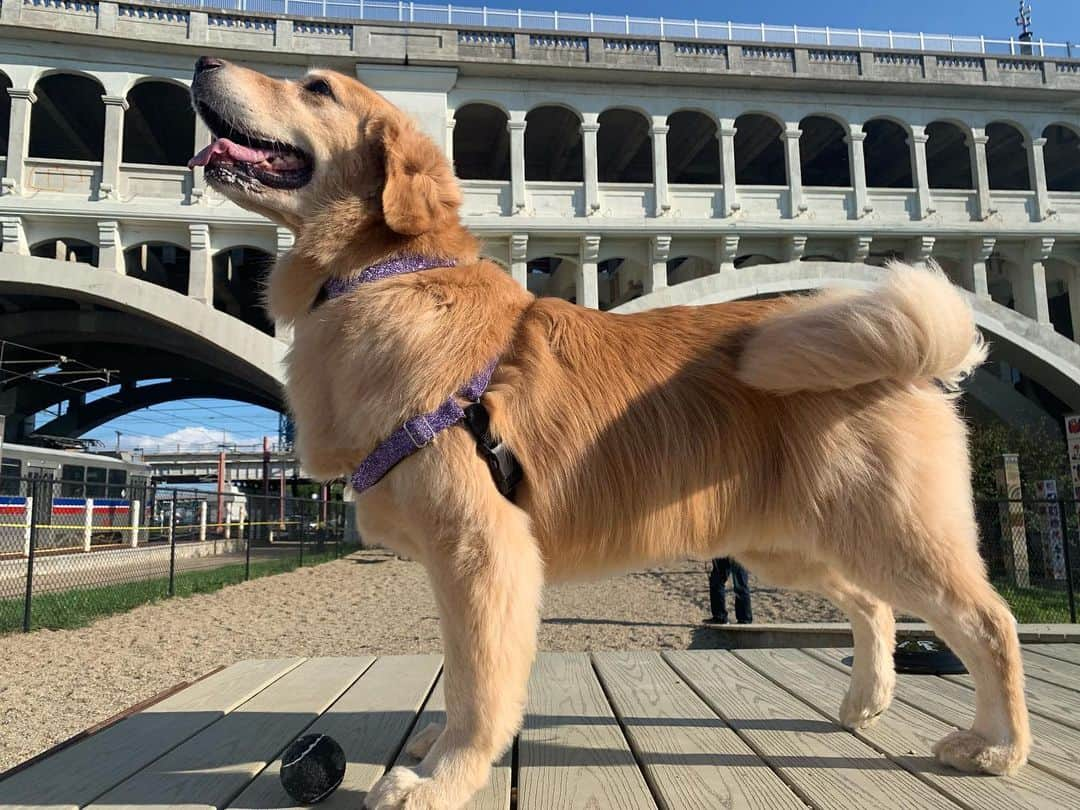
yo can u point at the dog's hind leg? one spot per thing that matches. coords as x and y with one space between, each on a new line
873 628
487 583
930 566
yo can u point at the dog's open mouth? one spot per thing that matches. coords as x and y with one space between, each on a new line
239 157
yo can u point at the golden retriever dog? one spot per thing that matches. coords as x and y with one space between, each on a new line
814 438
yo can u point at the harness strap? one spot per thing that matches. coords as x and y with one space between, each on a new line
418 432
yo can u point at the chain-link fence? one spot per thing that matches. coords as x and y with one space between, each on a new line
70 553
1032 549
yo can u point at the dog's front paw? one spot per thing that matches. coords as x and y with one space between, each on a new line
419 745
405 789
865 701
969 752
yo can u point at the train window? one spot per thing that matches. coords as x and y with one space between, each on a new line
117 480
10 470
95 482
72 477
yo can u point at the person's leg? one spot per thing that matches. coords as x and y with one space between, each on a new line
718 575
740 583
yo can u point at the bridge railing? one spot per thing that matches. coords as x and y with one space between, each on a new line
587 23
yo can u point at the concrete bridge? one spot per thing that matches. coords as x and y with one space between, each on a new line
617 170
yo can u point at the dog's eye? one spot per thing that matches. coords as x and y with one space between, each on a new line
319 87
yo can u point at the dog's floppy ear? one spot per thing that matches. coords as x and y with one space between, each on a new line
421 193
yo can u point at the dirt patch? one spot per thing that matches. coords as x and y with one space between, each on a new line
54 684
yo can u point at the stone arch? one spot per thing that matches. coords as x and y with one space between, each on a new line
693 148
163 263
624 146
948 156
688 267
1006 157
66 249
619 279
552 276
759 153
888 154
67 122
1061 156
159 124
481 142
823 152
553 144
239 278
1046 357
754 259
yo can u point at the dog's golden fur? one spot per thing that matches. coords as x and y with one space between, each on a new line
813 438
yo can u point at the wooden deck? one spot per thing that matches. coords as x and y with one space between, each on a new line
690 730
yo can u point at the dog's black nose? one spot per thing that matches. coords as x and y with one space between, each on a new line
208 63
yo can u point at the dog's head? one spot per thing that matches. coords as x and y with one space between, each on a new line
290 150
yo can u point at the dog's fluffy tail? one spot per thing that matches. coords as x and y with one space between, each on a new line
914 326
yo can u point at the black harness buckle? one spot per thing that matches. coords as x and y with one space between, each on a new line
505 468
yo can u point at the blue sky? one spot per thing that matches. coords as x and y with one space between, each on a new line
207 422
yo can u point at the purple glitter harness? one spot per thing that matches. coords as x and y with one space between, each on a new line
418 431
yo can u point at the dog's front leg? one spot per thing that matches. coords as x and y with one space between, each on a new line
488 586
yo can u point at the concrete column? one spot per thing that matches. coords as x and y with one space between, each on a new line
451 122
516 126
727 247
1037 172
14 236
1029 284
790 137
18 140
726 133
587 294
201 273
198 181
115 106
659 157
858 249
974 277
589 127
659 252
135 512
284 240
857 166
980 174
110 248
519 268
917 141
794 248
919 250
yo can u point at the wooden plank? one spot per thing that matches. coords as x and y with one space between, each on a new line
216 764
495 795
1060 652
75 776
828 766
1055 748
369 721
1051 670
572 754
906 735
691 758
1047 699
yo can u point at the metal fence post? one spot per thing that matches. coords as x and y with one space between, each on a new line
172 546
30 557
1068 561
247 549
303 520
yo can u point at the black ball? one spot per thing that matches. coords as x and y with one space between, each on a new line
312 768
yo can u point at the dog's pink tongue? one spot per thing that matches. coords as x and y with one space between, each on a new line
223 146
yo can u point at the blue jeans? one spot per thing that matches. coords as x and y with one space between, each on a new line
718 574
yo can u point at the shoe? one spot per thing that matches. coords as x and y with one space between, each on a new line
718 620
748 621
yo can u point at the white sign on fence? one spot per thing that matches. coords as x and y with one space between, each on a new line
1050 529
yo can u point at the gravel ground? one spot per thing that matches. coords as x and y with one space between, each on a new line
54 684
